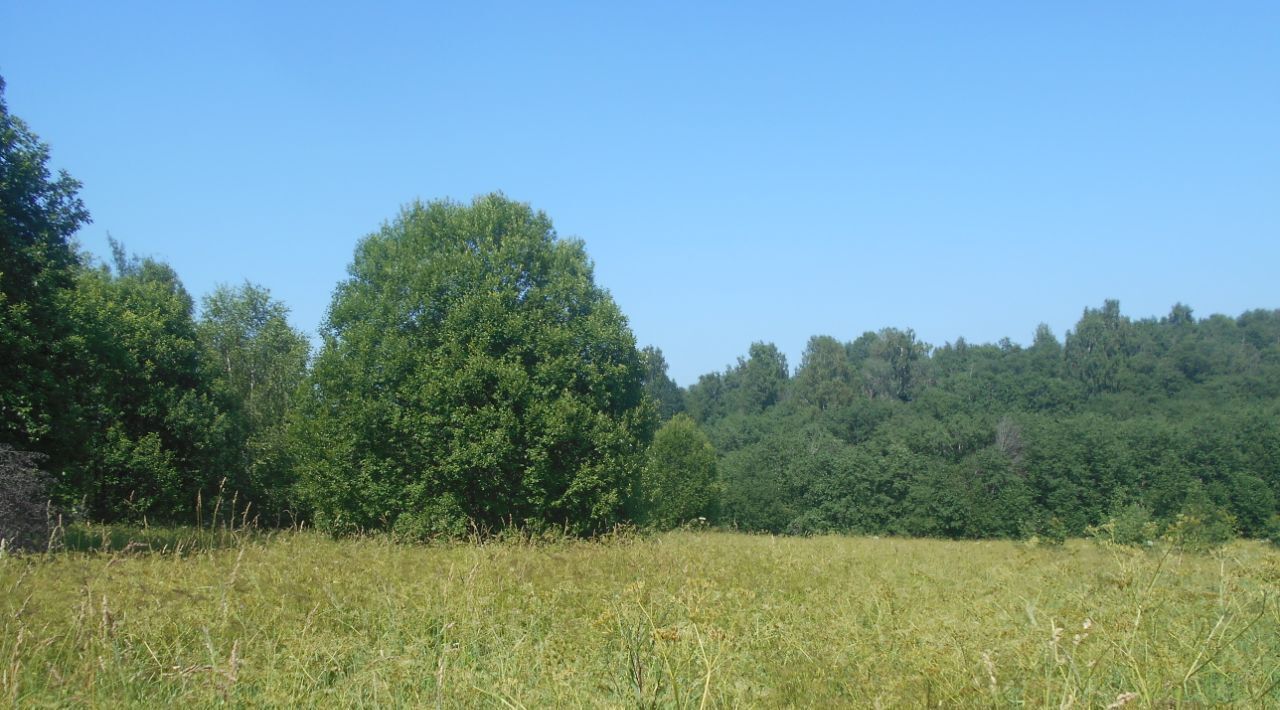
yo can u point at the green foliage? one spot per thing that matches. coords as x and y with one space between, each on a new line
1272 530
1203 530
757 492
705 399
665 394
797 477
102 372
39 214
680 483
1131 524
1096 351
825 379
755 385
893 363
154 436
470 356
441 518
258 363
1202 525
473 376
998 440
759 381
1251 501
1048 531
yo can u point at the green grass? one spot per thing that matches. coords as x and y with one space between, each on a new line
686 619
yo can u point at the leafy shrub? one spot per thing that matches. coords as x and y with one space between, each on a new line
440 518
679 480
1202 528
24 501
1046 531
1129 525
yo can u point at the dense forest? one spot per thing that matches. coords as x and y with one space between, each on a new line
1134 421
471 375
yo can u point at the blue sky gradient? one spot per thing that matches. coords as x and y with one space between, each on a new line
739 171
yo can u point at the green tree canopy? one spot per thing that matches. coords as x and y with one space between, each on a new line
665 394
259 361
1097 348
825 380
472 371
39 213
680 476
154 435
759 381
893 361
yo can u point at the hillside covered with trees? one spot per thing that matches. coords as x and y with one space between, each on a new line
473 376
1137 420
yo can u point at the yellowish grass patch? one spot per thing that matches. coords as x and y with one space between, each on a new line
686 619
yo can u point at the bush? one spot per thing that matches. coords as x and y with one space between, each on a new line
679 480
25 509
442 518
1129 525
1202 528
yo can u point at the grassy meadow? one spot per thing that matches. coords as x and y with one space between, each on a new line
684 619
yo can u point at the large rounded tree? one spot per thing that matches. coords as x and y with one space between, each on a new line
472 373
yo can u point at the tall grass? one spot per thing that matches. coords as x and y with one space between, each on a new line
685 619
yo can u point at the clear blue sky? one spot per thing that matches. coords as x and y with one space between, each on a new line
739 171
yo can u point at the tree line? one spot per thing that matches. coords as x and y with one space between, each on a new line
471 375
1150 421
